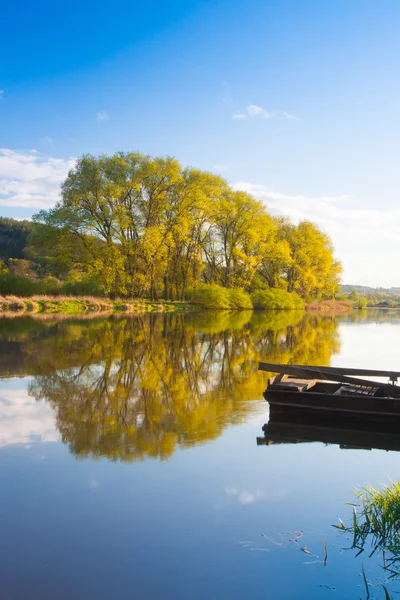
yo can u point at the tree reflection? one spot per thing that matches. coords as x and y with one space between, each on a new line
129 388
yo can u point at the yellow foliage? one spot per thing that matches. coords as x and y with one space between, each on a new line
129 388
144 226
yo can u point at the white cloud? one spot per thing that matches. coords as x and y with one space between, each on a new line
365 240
46 141
290 116
23 420
1 94
296 207
256 111
102 116
253 111
29 179
220 168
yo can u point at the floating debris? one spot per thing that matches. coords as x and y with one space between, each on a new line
247 542
272 541
327 587
298 534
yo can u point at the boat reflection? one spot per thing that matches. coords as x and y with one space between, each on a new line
362 436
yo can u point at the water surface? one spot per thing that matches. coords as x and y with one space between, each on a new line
129 465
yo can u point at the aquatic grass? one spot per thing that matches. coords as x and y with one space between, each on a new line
365 583
376 527
387 595
379 520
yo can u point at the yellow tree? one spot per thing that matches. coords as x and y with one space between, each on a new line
314 272
239 224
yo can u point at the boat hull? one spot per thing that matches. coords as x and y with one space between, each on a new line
328 406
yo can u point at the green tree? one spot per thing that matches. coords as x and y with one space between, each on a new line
143 226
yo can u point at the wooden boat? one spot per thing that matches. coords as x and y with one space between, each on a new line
332 393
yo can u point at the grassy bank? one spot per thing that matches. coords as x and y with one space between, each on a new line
85 304
75 305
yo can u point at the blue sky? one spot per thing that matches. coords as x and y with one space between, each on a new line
296 101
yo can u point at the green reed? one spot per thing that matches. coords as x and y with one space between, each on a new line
376 526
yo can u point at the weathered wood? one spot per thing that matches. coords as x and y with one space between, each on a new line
326 374
359 390
291 383
392 375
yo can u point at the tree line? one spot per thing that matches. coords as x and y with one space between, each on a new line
137 226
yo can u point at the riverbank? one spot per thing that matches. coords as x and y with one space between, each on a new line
334 306
86 304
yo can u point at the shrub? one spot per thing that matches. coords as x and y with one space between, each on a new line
362 302
83 288
17 285
239 299
275 299
210 296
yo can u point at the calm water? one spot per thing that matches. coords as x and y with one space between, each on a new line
129 465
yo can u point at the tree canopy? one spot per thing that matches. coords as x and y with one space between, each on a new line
144 226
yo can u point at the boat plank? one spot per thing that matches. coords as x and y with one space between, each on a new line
326 374
265 366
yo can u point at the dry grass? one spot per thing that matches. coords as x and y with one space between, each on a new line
331 306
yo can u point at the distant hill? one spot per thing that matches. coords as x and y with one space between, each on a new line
13 238
365 290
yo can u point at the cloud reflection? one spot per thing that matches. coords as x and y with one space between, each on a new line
23 420
244 496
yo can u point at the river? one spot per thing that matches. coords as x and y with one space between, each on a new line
130 468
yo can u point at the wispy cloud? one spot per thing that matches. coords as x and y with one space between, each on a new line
363 238
220 168
1 94
255 111
31 180
290 116
296 206
46 141
102 115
